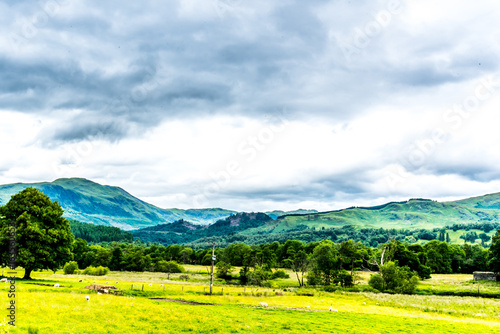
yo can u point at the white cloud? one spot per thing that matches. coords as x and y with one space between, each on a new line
253 106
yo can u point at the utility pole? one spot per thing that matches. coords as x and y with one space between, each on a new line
212 274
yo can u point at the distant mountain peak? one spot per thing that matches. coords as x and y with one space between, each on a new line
90 202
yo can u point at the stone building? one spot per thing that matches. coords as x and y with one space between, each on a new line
486 276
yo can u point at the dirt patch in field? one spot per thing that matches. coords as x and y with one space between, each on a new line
286 308
43 284
180 301
100 287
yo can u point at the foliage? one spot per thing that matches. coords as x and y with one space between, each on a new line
412 256
99 233
325 264
439 256
169 267
258 276
377 282
70 268
184 232
434 256
393 278
42 236
470 237
223 270
256 229
494 255
280 273
296 259
95 271
345 279
484 238
487 226
243 275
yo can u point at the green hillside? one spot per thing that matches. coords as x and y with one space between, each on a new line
278 213
415 220
412 214
490 201
182 231
90 202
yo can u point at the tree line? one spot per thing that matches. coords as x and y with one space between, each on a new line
373 237
99 233
322 261
46 241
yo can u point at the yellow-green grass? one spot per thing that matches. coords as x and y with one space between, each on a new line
455 284
459 284
455 236
65 310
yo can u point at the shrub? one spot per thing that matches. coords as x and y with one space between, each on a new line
408 286
394 279
258 276
184 277
169 267
244 271
330 288
70 268
313 278
223 270
377 282
280 273
345 279
95 271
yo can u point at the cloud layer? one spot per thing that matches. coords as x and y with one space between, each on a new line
253 105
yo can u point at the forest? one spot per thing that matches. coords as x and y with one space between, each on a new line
368 236
99 233
322 262
325 257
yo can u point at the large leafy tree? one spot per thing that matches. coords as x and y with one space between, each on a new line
394 278
42 236
494 257
297 259
439 256
351 254
325 264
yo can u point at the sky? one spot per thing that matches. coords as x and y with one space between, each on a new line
254 105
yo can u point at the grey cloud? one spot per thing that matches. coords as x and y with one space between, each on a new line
171 67
473 171
111 130
326 188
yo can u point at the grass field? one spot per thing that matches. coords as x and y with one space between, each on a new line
234 309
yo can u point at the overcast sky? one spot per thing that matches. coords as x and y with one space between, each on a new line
254 105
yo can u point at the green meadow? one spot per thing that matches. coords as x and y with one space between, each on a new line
42 308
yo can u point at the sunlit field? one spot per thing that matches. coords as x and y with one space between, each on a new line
235 309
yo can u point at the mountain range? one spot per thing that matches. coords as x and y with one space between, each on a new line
90 202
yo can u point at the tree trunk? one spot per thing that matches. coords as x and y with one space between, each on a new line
27 273
298 279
